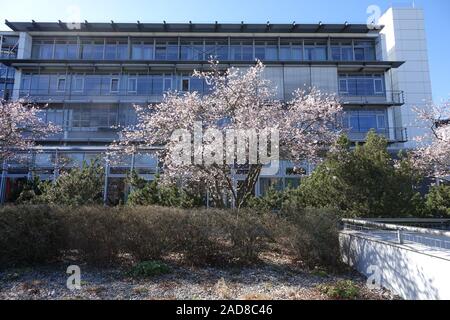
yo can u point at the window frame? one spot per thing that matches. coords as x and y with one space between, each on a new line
61 78
111 85
131 79
75 78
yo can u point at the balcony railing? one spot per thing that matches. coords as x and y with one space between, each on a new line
101 94
394 134
389 98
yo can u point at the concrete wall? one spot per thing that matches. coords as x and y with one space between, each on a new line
405 40
410 273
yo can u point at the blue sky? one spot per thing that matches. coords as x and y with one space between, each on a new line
277 11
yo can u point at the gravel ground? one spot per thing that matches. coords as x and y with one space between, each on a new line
252 283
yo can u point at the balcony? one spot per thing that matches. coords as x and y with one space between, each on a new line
93 95
394 134
390 98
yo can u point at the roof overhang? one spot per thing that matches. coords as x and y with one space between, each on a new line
350 66
292 28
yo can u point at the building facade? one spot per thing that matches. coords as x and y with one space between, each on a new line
89 76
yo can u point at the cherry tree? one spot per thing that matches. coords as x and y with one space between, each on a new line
433 154
241 102
20 127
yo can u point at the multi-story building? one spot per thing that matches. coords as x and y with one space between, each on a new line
8 50
89 77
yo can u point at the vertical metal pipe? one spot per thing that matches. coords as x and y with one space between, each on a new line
105 190
3 182
56 167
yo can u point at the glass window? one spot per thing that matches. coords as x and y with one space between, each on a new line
336 53
61 84
160 52
122 51
247 53
167 84
78 84
268 183
172 52
60 50
378 85
114 85
72 50
359 54
185 85
196 84
315 51
93 50
46 51
157 85
142 50
144 85
26 82
132 85
381 121
343 86
361 84
285 52
110 51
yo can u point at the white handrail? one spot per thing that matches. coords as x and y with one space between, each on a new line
389 226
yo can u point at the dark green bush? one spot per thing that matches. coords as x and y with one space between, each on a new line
364 181
438 201
148 193
147 269
76 187
342 289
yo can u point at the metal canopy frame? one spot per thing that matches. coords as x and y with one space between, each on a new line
215 27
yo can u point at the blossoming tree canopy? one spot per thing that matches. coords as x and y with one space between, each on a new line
434 155
20 127
237 101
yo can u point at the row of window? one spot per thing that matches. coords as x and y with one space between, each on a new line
69 159
80 84
361 84
76 117
134 84
90 117
204 49
362 121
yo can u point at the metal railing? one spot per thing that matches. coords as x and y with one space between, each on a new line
387 97
42 95
388 230
394 134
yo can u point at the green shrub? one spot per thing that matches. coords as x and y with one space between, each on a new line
146 193
77 187
148 269
342 289
438 201
364 181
